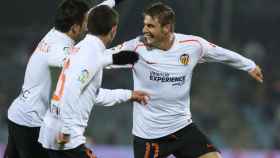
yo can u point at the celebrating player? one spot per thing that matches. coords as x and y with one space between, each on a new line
78 88
164 70
26 113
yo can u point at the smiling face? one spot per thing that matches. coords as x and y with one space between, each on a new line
154 32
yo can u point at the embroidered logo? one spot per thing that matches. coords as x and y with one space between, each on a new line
84 76
185 59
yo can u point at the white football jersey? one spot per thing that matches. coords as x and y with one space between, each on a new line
166 76
78 89
30 106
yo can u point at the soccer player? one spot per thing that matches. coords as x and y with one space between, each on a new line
78 88
164 70
25 115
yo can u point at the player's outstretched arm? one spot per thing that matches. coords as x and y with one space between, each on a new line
110 97
125 57
257 74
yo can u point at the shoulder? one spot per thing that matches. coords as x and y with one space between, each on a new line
132 44
136 41
54 43
139 42
183 39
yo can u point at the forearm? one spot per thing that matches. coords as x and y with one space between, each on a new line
128 66
107 97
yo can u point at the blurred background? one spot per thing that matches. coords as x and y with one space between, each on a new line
236 112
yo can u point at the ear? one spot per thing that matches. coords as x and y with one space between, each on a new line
167 28
114 29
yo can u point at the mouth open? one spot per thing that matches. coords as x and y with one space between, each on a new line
148 36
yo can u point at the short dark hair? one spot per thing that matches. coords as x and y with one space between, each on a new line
162 12
101 20
68 13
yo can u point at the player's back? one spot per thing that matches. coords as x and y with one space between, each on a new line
75 94
30 106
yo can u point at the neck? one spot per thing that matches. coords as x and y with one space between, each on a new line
69 34
104 39
167 42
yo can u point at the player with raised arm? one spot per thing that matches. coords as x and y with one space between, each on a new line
25 114
78 88
164 70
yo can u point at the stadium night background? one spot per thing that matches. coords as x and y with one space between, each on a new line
240 116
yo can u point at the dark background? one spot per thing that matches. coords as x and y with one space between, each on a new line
234 110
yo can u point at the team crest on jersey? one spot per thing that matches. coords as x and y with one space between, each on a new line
185 59
71 50
84 76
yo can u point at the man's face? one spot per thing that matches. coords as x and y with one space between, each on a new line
153 31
